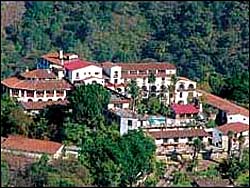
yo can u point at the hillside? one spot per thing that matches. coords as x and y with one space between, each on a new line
207 41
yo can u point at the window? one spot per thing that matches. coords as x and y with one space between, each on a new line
116 81
133 72
180 94
163 78
116 74
125 79
77 75
244 119
89 73
96 73
190 139
161 71
165 140
176 139
130 123
230 118
85 73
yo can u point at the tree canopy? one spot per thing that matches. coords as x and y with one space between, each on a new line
208 41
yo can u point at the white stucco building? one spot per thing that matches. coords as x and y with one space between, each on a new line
36 86
220 137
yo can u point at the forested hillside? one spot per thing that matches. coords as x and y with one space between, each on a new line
208 41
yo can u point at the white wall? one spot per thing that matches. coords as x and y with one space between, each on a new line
237 118
85 73
124 125
112 74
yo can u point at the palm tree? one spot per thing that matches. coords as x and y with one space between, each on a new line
197 143
172 85
241 141
133 90
230 136
151 80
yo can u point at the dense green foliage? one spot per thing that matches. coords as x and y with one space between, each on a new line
114 160
4 173
208 41
88 102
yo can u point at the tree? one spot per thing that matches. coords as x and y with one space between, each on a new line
38 172
172 87
198 145
136 159
230 136
133 90
241 141
4 173
243 180
151 80
154 105
88 102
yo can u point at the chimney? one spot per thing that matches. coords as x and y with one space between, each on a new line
61 56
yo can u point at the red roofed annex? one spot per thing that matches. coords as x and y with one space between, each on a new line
31 146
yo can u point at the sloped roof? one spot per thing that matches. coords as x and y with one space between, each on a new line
184 109
39 73
179 133
224 104
17 83
77 64
30 145
235 127
146 66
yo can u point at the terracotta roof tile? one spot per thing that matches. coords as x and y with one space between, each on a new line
54 58
41 105
224 104
184 109
124 75
235 127
214 182
39 73
146 66
107 64
16 83
30 145
179 133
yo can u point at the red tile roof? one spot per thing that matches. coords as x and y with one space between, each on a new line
179 133
124 75
16 83
30 145
39 73
54 57
184 109
41 105
146 66
77 64
235 127
224 104
108 84
107 64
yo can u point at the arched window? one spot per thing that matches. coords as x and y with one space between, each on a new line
153 88
191 86
40 100
144 88
30 100
181 86
119 89
163 87
59 99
